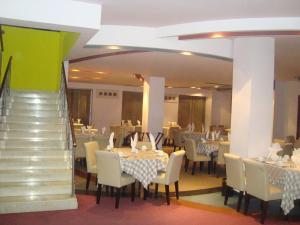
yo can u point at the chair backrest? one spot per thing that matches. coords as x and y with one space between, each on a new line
256 179
172 131
119 134
223 148
108 168
144 143
297 143
174 166
290 139
235 171
287 149
90 151
178 138
190 148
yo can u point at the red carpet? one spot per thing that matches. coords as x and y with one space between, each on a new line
154 212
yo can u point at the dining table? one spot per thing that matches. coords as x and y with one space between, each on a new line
286 176
143 165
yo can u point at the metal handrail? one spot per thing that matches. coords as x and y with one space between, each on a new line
1 39
4 89
71 139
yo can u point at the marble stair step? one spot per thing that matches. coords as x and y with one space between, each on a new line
24 164
32 100
33 94
30 127
32 119
34 144
35 188
35 113
34 154
36 203
31 106
37 175
33 135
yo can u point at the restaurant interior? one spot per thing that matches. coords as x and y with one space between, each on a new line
122 112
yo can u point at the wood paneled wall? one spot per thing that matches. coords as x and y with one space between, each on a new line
132 106
191 109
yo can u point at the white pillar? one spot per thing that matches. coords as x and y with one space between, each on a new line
153 104
66 66
252 96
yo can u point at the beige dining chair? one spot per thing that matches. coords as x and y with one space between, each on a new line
90 151
119 134
224 147
257 186
235 174
192 155
171 175
178 140
297 143
144 143
109 173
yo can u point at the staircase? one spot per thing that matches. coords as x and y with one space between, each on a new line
36 171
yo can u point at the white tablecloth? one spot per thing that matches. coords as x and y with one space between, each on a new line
288 179
209 148
144 165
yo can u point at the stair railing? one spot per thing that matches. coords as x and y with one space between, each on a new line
71 140
5 89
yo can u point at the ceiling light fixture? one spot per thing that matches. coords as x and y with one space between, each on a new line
216 86
169 87
100 72
113 47
193 87
139 77
97 78
217 35
75 70
199 88
186 53
74 77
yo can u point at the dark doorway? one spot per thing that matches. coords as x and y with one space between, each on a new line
132 106
298 120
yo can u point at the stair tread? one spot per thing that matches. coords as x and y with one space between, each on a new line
34 184
36 171
34 198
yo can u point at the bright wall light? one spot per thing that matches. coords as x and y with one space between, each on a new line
186 53
75 70
113 47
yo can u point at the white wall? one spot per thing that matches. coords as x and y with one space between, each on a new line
286 108
221 108
109 111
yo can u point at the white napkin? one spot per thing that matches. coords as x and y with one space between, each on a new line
103 129
133 143
203 129
296 159
138 122
218 135
213 135
203 140
189 127
192 127
296 152
110 146
152 140
275 147
228 136
129 122
207 135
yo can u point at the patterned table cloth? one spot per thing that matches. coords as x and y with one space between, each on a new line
288 179
143 165
209 148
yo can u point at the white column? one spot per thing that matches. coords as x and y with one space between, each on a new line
252 96
153 104
66 66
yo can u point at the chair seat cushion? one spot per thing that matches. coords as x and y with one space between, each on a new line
126 179
93 169
200 158
160 178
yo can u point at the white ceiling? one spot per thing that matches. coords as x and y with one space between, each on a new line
182 70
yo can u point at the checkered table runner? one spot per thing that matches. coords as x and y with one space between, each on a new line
208 148
288 179
144 170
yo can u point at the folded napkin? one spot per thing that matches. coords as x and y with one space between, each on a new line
273 150
152 140
203 140
296 151
133 143
296 159
228 136
189 127
129 122
110 145
213 135
103 129
207 135
192 127
218 135
138 122
203 128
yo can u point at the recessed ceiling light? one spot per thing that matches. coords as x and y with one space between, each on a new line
186 53
97 78
199 88
113 47
217 35
74 77
216 86
169 87
100 72
75 70
193 87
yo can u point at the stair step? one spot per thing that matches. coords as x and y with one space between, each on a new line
36 203
38 101
37 175
31 106
25 164
35 113
31 119
30 144
35 188
36 154
33 94
33 135
29 127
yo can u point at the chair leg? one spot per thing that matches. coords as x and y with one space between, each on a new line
111 191
264 211
241 194
167 194
226 194
209 166
139 189
174 148
201 166
118 193
186 164
156 190
107 190
194 167
145 194
98 193
88 178
96 182
247 201
177 190
132 191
